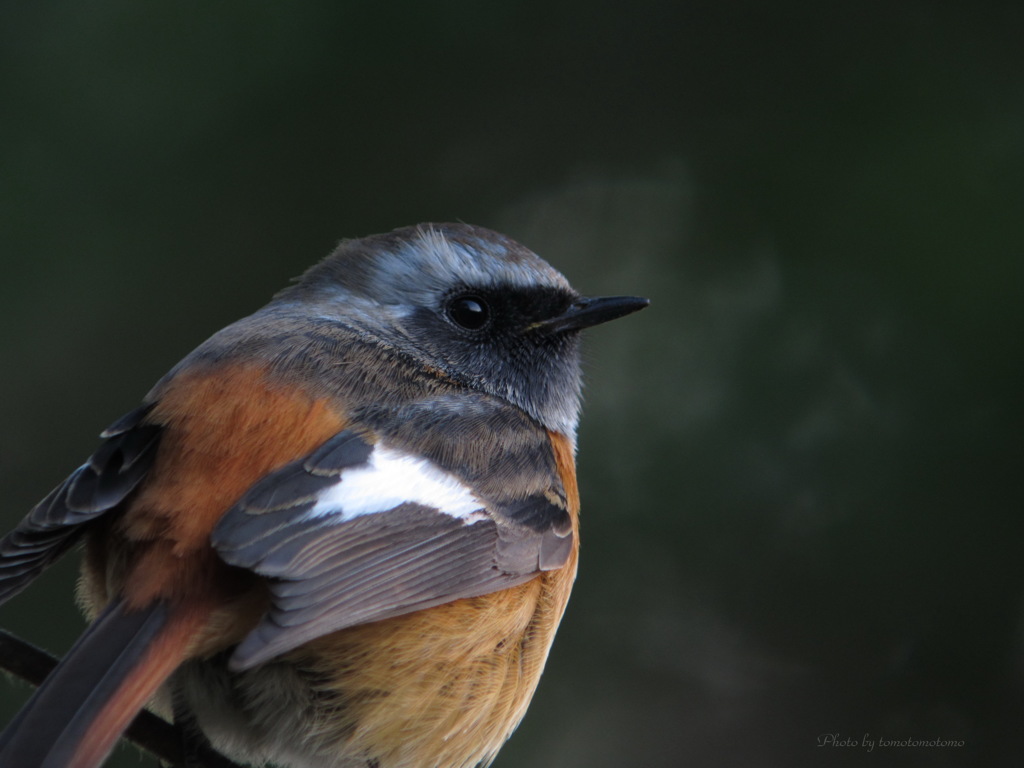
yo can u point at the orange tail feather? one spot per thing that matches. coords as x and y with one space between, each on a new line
76 716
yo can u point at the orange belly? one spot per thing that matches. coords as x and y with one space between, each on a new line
446 686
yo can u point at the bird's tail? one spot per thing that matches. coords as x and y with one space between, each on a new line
76 716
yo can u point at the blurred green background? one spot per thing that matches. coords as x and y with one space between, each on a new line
800 467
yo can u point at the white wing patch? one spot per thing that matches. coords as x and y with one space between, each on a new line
390 478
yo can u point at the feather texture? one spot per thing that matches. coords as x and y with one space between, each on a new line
98 486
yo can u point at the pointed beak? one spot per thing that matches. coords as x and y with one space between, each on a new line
585 312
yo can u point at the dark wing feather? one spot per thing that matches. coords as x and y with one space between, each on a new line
371 568
327 572
99 485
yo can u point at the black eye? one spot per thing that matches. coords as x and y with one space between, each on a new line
469 311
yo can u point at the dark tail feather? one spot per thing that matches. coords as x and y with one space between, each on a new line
76 716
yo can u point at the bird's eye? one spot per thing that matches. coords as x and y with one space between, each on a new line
469 311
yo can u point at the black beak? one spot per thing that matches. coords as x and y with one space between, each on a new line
584 312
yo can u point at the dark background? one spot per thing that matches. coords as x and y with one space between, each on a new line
800 467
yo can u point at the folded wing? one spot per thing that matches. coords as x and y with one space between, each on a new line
360 531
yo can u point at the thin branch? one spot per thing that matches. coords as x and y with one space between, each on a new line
146 731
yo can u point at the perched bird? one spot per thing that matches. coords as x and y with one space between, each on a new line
342 532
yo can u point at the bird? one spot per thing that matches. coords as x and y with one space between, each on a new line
340 533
